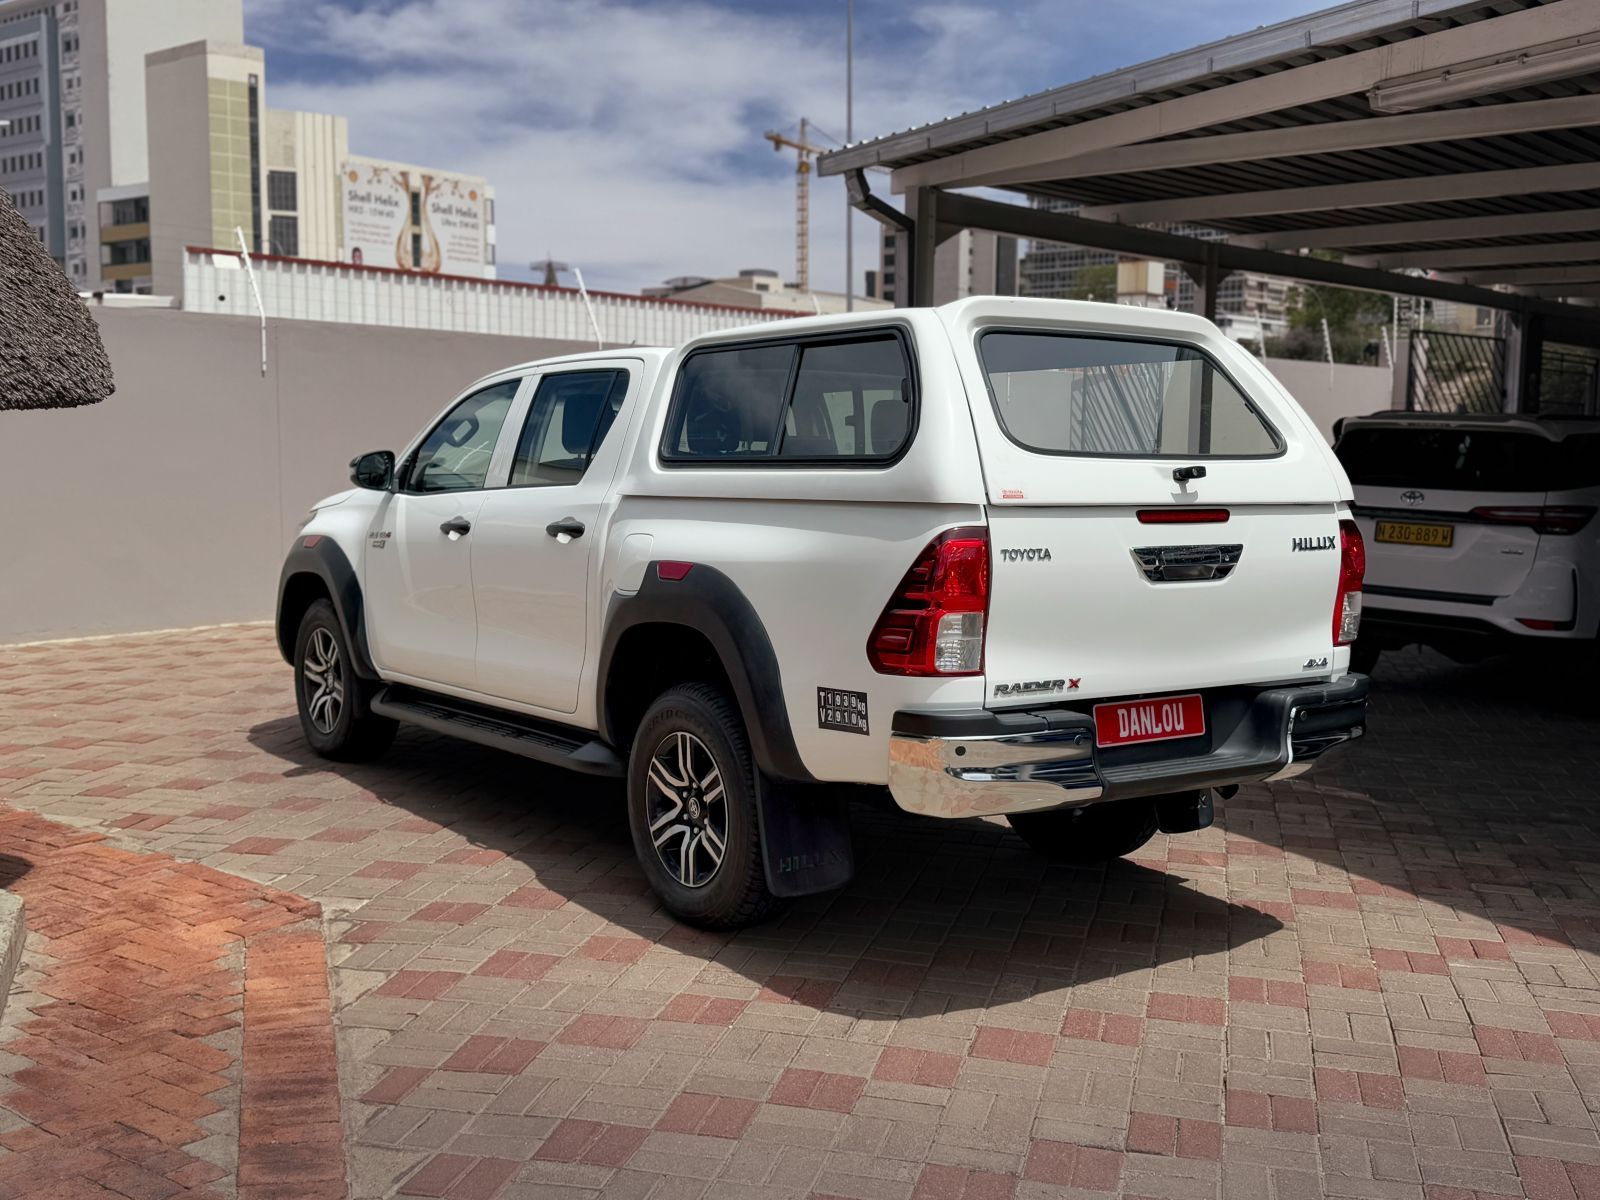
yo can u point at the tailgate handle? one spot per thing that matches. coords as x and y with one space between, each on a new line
1182 475
1187 564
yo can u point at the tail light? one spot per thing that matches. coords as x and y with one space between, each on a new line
934 622
1557 520
1352 569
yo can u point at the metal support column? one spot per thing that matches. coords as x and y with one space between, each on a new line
923 206
1524 357
1208 275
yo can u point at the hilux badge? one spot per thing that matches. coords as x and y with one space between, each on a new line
1311 543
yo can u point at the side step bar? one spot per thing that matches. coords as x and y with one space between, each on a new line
546 741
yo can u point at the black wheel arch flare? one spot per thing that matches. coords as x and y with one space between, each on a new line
708 602
319 556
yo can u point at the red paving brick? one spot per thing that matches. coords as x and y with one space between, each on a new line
1375 981
133 973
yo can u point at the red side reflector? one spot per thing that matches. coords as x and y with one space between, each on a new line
1183 516
310 540
1543 623
672 571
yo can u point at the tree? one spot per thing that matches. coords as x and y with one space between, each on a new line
1098 282
1355 322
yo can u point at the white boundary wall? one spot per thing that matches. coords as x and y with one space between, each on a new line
304 290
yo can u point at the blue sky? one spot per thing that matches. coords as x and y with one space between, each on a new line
625 135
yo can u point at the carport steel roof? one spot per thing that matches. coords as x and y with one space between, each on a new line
1461 140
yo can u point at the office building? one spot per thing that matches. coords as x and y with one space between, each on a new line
971 263
72 77
223 164
1247 303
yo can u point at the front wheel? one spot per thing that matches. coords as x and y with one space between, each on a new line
1094 833
331 697
692 810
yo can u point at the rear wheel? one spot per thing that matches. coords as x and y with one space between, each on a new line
331 697
692 810
1095 833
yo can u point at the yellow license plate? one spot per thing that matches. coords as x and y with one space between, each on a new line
1408 533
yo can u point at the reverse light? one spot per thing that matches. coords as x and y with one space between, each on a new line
934 622
1559 520
1352 570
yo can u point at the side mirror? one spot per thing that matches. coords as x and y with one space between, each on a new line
374 469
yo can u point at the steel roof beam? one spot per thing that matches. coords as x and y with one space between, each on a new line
1325 80
1377 193
1326 137
1446 229
1481 256
973 212
1540 275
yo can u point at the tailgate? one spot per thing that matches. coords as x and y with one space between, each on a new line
1430 542
1123 608
1163 517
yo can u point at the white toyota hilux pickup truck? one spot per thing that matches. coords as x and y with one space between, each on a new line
1077 565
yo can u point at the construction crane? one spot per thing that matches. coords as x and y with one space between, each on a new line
804 152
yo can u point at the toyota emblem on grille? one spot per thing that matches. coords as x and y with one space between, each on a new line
1413 497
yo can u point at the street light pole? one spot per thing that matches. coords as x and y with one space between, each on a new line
849 136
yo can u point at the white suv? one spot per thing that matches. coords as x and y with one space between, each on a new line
1072 564
1480 530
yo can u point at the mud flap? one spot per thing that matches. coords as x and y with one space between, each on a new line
805 837
1185 812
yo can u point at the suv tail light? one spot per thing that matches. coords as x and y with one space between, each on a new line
1558 520
1352 569
934 622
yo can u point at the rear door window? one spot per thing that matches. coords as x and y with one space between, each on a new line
835 401
1119 398
568 419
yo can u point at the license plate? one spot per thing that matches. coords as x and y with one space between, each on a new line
1158 720
1409 533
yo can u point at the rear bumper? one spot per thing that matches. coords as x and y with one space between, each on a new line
979 763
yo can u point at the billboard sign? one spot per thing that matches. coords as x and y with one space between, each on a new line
412 220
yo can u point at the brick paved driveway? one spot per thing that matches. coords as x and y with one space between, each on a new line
1378 981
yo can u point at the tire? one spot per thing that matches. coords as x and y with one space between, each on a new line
692 807
331 697
1094 833
1364 657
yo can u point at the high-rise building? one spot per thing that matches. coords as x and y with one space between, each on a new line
1255 303
973 262
72 106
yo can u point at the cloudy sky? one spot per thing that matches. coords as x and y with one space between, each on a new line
625 135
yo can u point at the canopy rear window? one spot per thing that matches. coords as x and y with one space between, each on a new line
1119 398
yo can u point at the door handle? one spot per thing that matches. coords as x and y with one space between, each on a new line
570 527
456 527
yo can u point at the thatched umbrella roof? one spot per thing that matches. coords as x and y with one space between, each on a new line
51 355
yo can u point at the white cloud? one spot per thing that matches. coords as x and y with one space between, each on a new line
626 138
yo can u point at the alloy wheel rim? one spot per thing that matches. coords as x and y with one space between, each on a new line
324 681
686 807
